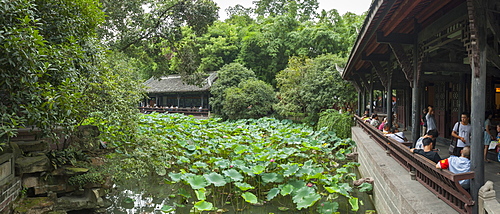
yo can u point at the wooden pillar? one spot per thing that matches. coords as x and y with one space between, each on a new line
415 95
477 56
408 106
359 110
389 98
371 96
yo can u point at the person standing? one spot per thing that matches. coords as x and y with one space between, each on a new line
431 122
488 137
461 131
423 121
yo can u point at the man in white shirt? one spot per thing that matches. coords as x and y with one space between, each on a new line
461 131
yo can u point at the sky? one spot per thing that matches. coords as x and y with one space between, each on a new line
343 6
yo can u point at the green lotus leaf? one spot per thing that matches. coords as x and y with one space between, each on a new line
222 164
176 177
258 169
200 164
302 192
200 194
191 148
342 189
290 169
247 170
328 207
269 177
272 193
215 179
240 149
307 200
365 187
354 203
243 186
203 206
167 209
233 174
197 181
249 197
287 189
182 159
184 193
316 176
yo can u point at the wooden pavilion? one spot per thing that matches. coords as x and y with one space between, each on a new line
443 53
171 91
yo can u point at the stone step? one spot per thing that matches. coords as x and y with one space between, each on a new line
33 146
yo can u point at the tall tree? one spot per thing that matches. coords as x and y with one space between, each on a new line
144 29
308 86
302 10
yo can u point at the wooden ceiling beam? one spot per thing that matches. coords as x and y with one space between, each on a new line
399 15
377 57
399 38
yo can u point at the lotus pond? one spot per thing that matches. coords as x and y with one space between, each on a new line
188 165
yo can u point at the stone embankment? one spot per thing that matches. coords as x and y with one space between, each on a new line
38 175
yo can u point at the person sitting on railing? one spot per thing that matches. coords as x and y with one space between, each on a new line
395 134
374 121
427 151
433 134
387 128
457 165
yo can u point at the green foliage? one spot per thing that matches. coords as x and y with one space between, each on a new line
333 120
230 75
243 161
53 72
60 158
308 86
148 30
86 178
251 99
46 61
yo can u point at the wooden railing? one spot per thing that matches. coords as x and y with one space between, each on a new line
441 182
187 111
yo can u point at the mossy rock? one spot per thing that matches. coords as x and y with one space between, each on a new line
42 204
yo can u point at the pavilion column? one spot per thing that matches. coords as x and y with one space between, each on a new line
389 98
359 111
477 56
371 96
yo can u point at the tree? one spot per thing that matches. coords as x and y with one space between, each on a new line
51 73
251 99
146 29
228 76
309 86
302 10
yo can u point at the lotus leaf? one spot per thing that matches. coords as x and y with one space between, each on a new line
307 201
184 193
302 192
240 149
269 177
222 164
233 174
272 193
287 189
244 186
200 194
290 169
197 182
167 209
258 169
249 197
354 203
176 177
365 187
215 179
328 207
203 206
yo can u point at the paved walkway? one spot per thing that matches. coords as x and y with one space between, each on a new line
490 169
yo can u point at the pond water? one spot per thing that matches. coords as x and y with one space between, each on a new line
144 197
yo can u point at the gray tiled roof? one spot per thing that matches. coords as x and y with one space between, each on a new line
173 84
